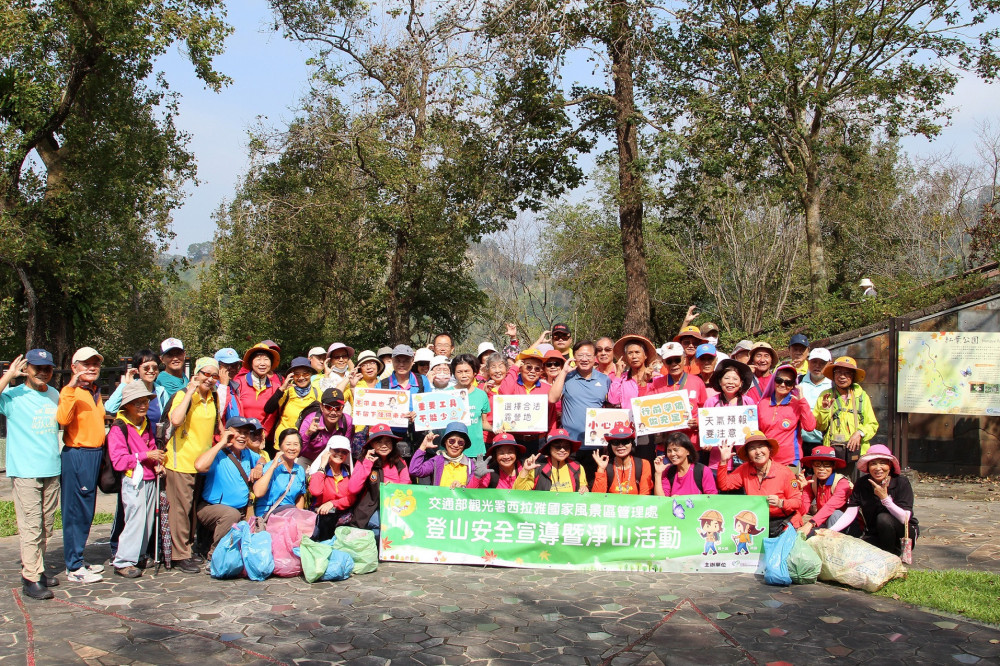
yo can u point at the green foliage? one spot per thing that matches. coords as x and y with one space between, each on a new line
973 594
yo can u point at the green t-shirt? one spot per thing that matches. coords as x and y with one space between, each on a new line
479 404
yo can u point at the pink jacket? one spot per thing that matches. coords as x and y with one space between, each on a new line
123 451
785 422
363 469
828 499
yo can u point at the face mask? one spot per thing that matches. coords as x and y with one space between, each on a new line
713 339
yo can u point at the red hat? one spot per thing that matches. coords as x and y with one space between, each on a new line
381 430
553 354
561 435
824 454
505 439
620 432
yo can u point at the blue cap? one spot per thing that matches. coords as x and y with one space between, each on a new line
706 349
240 422
459 428
402 350
255 423
227 355
301 362
39 357
799 339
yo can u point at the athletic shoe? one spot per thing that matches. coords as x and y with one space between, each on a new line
81 575
187 566
93 568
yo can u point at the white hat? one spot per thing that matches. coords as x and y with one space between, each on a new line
865 282
84 353
317 351
439 360
485 347
671 349
423 354
335 442
821 353
721 356
171 343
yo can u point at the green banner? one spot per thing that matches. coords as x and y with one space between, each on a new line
510 528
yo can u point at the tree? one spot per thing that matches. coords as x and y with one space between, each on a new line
90 161
781 88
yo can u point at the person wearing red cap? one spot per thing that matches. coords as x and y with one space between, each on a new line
559 474
783 415
824 497
629 475
500 467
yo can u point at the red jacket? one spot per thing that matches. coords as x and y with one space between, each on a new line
828 498
252 401
779 481
325 488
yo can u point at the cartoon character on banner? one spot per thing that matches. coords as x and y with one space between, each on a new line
745 523
711 530
401 505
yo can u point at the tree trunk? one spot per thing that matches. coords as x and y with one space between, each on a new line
630 205
818 280
31 305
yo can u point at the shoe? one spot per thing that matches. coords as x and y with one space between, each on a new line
49 581
197 559
93 568
81 575
128 572
143 562
35 589
187 566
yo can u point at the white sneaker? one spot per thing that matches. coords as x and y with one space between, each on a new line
93 568
81 575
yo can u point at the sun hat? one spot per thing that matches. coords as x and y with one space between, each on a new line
85 354
758 346
39 357
708 327
380 430
721 356
401 350
338 346
227 355
554 355
261 348
822 353
742 345
457 428
384 351
878 452
824 454
317 351
272 345
672 350
485 347
756 436
135 390
205 362
705 350
369 355
332 396
746 375
620 433
865 282
647 346
171 343
844 362
690 332
561 435
423 355
799 339
505 439
531 353
439 360
301 362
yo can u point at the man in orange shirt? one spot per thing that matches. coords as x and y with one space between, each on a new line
81 413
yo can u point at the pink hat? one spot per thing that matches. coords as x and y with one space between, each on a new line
878 452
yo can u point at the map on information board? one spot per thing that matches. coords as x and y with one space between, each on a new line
949 373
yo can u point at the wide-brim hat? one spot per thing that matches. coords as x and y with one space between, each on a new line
261 348
620 433
135 390
457 428
554 355
878 452
755 437
505 439
369 355
485 347
303 363
381 430
844 362
561 435
746 375
690 332
648 347
824 454
340 345
758 346
423 355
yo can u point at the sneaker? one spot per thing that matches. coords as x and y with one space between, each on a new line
128 572
35 589
93 568
81 575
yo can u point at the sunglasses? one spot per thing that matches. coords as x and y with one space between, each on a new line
604 349
532 367
332 408
560 336
553 364
562 446
781 381
455 440
673 360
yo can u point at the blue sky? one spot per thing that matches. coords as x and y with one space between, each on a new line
270 76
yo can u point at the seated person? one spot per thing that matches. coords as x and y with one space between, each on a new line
500 467
283 483
684 475
230 468
629 475
762 476
559 474
330 488
451 469
826 495
319 426
884 499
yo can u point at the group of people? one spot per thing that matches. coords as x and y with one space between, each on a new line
233 438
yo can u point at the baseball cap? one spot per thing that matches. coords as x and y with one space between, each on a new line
438 360
423 354
485 347
171 343
227 355
240 422
705 350
670 350
317 351
84 353
332 396
39 357
384 351
799 339
560 328
401 350
821 353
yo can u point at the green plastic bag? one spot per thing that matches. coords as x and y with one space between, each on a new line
804 564
315 558
360 545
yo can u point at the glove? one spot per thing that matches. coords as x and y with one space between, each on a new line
482 467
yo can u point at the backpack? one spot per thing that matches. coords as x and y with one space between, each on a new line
699 471
109 480
312 408
639 469
543 478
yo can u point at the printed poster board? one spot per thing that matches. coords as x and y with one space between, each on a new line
374 406
521 413
437 409
726 424
661 412
600 422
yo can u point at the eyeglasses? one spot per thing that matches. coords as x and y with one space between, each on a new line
301 375
149 367
782 381
532 367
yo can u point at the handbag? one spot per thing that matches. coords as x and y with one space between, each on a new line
906 544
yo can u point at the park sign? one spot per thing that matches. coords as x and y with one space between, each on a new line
591 531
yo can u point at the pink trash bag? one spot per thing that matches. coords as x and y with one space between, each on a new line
287 528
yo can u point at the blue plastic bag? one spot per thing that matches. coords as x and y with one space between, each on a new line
776 553
258 562
340 567
227 559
